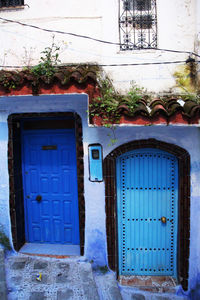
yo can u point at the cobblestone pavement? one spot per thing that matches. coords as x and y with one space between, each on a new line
3 293
66 279
61 279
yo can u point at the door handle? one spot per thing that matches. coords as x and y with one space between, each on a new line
163 220
39 198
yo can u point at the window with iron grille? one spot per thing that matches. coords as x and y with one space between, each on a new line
138 24
10 3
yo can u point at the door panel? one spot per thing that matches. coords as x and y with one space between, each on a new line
49 167
147 190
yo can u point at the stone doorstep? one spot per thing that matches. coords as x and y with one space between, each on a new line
154 289
48 255
156 284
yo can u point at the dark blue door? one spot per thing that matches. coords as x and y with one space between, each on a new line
50 186
147 195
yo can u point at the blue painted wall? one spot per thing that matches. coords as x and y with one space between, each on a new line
4 180
187 137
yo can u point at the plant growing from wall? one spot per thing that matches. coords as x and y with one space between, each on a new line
134 95
112 135
48 62
108 104
8 81
4 240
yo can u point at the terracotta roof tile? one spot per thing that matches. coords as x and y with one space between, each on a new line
141 108
172 110
155 102
158 109
169 109
161 111
191 108
64 75
123 109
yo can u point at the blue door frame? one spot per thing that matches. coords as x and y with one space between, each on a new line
147 210
50 186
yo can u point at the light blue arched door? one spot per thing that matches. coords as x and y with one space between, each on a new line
147 205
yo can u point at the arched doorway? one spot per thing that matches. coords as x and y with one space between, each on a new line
147 201
182 158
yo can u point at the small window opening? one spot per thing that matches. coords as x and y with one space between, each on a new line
11 3
138 24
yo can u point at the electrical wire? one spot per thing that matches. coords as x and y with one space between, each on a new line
107 65
146 64
91 38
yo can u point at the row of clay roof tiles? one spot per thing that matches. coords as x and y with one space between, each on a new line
79 74
158 111
166 107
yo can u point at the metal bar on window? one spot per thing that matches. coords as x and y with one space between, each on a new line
138 24
10 3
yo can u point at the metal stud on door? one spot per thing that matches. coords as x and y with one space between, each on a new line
147 182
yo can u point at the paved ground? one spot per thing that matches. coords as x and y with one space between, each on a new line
2 276
64 279
60 279
108 290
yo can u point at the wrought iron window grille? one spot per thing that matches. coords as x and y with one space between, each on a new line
11 3
137 24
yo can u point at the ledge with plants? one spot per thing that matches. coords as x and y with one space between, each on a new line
138 107
47 73
107 106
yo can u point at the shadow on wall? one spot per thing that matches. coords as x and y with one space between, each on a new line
97 249
195 289
194 293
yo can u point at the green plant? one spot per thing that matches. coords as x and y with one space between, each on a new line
112 135
134 95
107 105
48 62
7 82
191 96
103 269
91 261
4 240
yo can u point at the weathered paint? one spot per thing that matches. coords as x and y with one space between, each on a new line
95 233
4 181
99 20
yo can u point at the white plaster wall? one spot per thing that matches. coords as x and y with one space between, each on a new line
197 40
95 232
177 21
198 24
